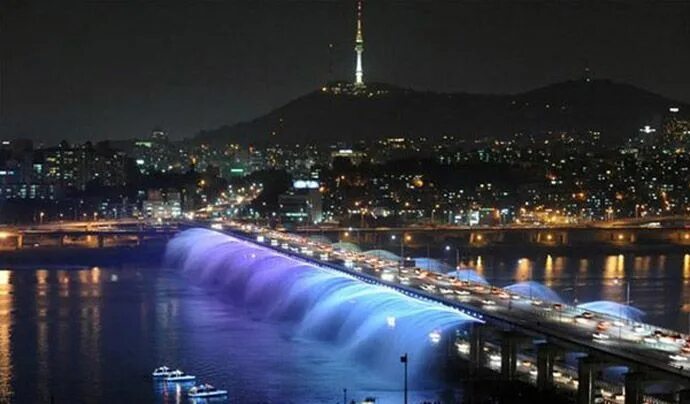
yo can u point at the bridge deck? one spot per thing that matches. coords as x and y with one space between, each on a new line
624 344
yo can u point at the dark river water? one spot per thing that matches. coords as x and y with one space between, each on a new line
94 334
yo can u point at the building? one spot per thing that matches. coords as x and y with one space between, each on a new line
161 204
303 204
65 165
354 157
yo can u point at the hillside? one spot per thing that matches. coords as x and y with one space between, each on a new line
616 110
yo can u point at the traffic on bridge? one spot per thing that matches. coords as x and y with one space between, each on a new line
601 338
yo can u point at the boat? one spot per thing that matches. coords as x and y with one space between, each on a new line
179 376
162 371
206 391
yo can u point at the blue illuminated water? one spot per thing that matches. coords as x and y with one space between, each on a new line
97 333
535 290
370 324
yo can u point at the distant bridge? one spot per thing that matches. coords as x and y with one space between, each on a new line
96 234
620 234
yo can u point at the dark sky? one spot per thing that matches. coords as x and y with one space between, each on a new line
114 69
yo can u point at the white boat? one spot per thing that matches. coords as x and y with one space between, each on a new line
206 391
162 371
179 376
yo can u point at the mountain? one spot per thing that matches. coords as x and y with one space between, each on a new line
336 113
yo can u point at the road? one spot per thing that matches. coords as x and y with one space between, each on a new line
633 343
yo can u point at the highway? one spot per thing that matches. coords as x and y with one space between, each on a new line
641 345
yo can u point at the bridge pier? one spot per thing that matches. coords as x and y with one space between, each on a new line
476 347
587 369
545 360
101 240
509 348
684 396
634 387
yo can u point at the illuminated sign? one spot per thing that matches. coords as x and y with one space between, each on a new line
302 184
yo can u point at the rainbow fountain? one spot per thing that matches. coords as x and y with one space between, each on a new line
372 323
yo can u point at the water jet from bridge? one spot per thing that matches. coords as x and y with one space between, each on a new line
371 323
382 255
469 275
614 309
535 290
433 265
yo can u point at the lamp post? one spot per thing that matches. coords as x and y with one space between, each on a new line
627 303
627 288
457 258
562 307
403 359
403 238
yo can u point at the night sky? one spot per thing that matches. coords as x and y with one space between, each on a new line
115 69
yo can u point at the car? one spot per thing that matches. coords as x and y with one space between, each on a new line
651 339
600 336
588 315
488 302
603 326
557 306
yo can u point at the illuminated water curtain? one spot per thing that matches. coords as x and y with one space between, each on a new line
373 323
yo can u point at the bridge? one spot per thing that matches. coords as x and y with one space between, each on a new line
88 234
618 235
520 337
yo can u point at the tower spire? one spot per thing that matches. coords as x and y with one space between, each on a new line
359 47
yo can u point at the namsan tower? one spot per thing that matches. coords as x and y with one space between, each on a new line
359 47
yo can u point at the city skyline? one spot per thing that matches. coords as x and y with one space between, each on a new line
141 77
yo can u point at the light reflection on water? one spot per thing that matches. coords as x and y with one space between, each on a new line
87 333
6 305
659 284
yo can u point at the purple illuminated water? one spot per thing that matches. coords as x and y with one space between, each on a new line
97 333
368 324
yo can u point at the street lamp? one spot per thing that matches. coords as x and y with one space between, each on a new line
627 291
457 257
403 360
403 239
627 302
40 215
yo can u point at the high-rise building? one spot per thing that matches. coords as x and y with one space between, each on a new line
359 47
